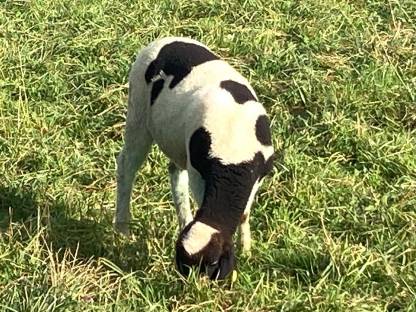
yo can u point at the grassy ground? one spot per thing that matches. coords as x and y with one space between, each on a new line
335 225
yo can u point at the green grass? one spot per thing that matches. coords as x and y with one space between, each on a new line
334 227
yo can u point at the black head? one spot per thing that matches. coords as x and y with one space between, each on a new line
214 257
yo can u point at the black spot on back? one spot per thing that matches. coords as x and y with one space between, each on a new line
240 92
263 134
177 59
227 187
156 89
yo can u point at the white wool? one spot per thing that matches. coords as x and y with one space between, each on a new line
198 237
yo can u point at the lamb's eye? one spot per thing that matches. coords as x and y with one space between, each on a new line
213 263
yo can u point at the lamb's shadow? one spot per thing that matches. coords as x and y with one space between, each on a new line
17 205
87 236
94 237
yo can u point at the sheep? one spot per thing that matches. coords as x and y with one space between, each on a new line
206 118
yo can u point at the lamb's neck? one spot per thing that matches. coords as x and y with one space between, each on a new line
222 209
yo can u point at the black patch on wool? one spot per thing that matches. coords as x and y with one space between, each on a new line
177 59
240 92
227 187
263 134
156 89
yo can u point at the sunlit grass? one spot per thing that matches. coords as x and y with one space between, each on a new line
333 227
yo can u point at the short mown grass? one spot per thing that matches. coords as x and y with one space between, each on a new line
334 226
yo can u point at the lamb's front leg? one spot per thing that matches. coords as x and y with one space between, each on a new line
179 182
245 234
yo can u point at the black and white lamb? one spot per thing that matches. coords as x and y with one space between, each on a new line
207 119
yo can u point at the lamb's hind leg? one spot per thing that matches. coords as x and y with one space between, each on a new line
180 191
128 162
137 143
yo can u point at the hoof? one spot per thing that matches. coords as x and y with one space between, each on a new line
246 250
247 253
122 227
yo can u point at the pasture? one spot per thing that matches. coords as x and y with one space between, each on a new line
334 226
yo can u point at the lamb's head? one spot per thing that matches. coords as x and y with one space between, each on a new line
206 249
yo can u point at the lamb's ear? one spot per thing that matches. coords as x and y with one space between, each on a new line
182 268
226 264
267 167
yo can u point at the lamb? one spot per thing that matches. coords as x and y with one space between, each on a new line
207 120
